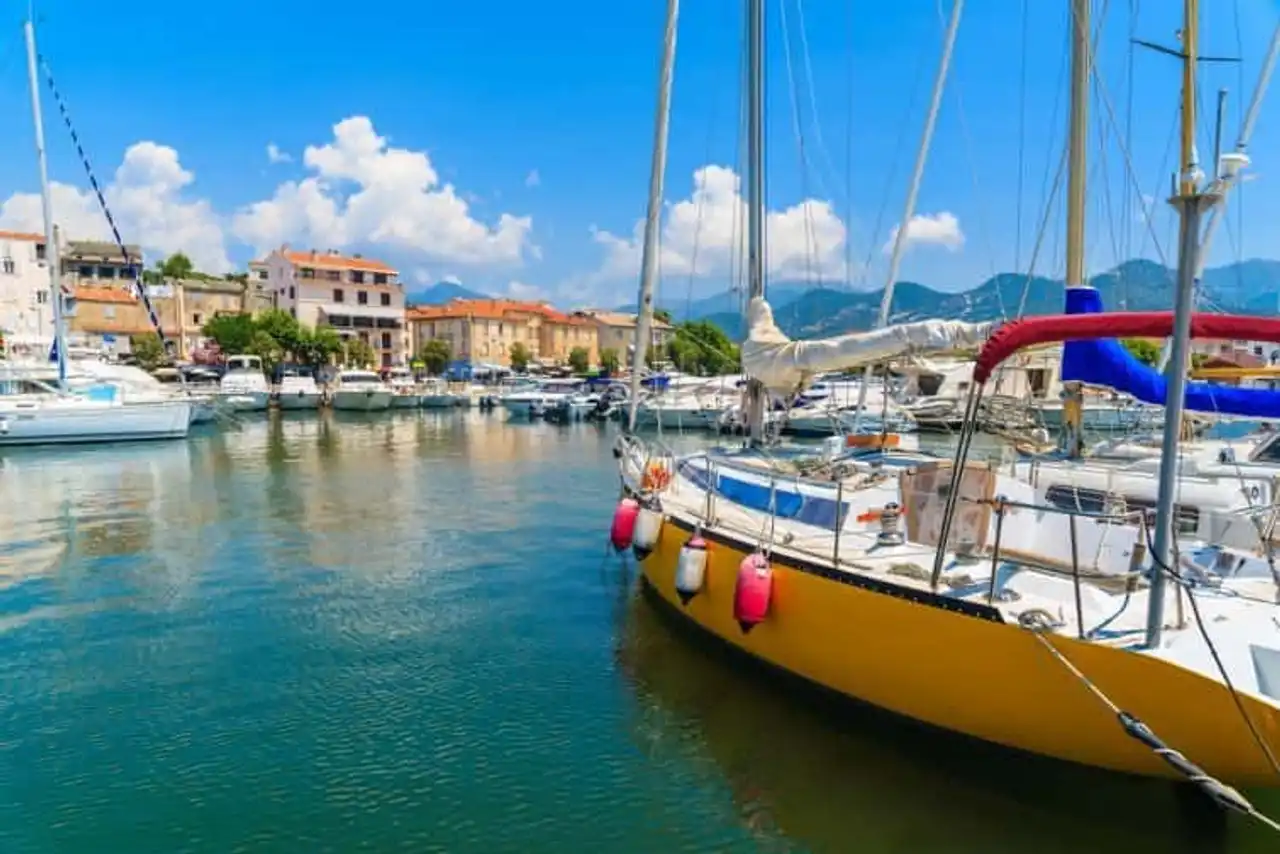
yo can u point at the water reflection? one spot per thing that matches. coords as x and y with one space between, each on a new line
835 777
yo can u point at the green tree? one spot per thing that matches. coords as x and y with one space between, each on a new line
435 355
316 347
520 356
662 314
148 350
1145 351
177 266
265 348
610 361
231 332
580 360
702 347
359 353
283 327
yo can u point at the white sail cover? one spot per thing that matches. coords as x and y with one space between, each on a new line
784 365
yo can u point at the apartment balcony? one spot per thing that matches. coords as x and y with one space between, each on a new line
354 316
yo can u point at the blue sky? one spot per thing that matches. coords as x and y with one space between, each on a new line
494 93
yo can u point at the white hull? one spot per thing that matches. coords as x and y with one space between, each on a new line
298 400
406 401
63 422
678 419
361 401
245 401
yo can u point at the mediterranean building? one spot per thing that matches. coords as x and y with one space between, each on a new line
26 312
358 297
97 262
107 317
483 331
616 331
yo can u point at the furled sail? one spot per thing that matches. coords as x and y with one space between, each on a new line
1106 362
784 365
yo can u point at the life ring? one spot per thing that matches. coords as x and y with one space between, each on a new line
656 477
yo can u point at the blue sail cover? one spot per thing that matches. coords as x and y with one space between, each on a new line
1107 362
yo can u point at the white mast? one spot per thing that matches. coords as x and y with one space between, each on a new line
755 192
50 239
652 224
922 156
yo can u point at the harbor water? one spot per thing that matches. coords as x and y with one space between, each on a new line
403 632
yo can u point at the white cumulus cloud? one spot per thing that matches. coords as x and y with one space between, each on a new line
451 279
523 291
275 155
363 191
940 229
701 234
148 200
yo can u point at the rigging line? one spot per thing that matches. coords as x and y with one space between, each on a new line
1222 794
130 266
1049 210
1240 184
810 247
899 147
1022 148
737 248
1126 199
1131 172
981 208
1183 582
1108 210
848 156
823 154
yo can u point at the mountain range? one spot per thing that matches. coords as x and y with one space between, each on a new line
803 311
1247 287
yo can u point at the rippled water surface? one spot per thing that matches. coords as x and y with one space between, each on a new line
402 633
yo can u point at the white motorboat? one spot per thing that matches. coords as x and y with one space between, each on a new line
298 391
244 387
360 391
404 389
536 398
436 395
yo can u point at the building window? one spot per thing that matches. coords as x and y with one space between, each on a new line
291 292
379 278
386 299
196 318
357 277
293 312
333 275
42 297
386 340
86 272
337 294
362 297
40 252
262 274
106 272
7 265
307 273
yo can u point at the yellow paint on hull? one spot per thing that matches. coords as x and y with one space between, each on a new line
990 680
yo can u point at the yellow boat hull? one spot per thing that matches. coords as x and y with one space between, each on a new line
924 658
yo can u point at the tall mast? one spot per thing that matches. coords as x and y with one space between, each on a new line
917 175
1191 203
755 191
657 171
1077 166
50 239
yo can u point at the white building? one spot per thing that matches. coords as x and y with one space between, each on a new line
359 297
26 313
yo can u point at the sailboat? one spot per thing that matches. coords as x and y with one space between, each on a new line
35 412
951 593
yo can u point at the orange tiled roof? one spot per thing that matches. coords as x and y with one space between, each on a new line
335 261
493 309
21 235
112 295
